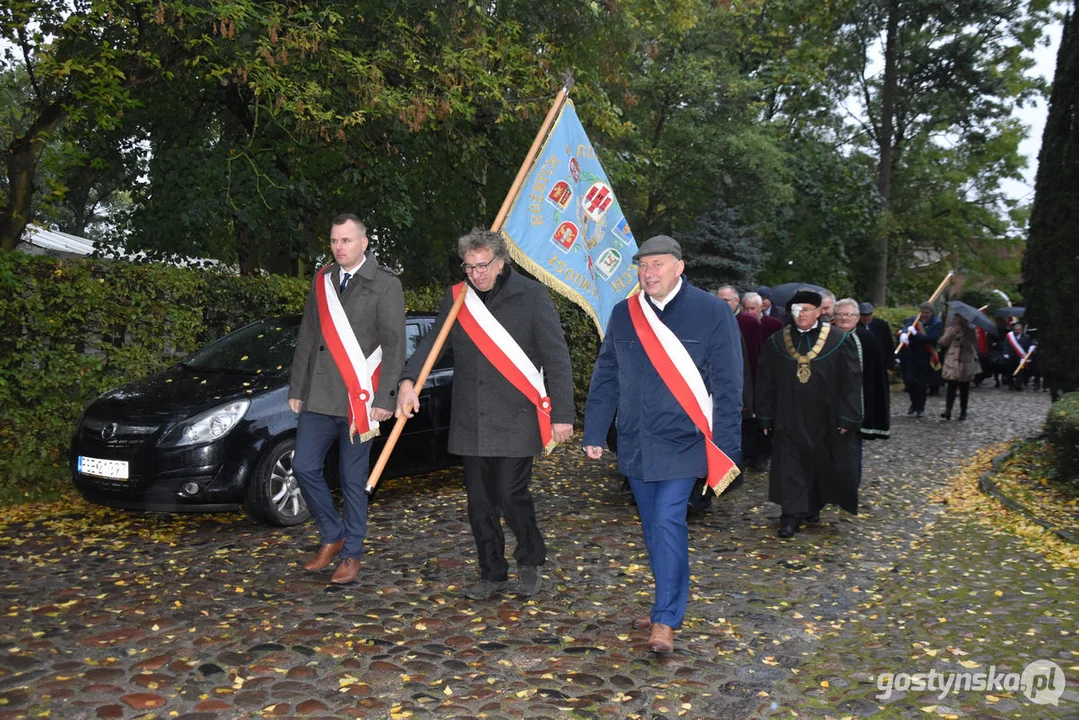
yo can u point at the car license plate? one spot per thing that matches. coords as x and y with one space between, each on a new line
115 469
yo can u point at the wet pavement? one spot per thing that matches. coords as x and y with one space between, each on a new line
110 614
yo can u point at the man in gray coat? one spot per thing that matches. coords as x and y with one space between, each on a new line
353 302
493 424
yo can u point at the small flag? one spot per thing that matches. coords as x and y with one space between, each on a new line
566 227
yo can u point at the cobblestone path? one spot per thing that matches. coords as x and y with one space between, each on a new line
109 614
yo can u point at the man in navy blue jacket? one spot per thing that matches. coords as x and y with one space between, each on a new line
660 449
918 355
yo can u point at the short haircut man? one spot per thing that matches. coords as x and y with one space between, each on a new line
729 295
827 305
918 355
663 461
332 408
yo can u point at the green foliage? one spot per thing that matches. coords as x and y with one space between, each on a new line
233 130
71 330
826 235
938 122
721 249
583 345
980 297
895 316
1051 265
1062 432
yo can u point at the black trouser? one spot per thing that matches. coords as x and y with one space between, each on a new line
498 487
964 393
917 389
756 446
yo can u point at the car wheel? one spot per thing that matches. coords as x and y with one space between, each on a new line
273 492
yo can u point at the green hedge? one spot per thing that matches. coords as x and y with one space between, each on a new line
72 329
1062 432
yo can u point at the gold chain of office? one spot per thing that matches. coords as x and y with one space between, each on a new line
803 361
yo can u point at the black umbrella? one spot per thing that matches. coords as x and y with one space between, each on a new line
974 316
1007 312
781 294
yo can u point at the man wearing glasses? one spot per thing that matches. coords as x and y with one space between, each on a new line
512 396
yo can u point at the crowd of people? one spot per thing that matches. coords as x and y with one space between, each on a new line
702 385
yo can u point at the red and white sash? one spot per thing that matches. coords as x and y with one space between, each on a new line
502 351
1014 342
359 373
917 328
681 376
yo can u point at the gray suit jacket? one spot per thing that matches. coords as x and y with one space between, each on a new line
489 416
375 306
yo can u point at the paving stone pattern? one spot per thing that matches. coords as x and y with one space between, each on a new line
110 614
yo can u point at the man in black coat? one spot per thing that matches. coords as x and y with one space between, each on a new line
493 425
881 330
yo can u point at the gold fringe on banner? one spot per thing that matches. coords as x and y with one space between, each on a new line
537 271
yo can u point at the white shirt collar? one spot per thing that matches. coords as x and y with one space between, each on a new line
352 271
662 304
815 326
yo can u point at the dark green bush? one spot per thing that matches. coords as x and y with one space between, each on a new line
1062 432
72 329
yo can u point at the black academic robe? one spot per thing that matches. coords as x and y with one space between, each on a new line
882 331
813 463
876 398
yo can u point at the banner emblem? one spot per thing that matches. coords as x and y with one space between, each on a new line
565 236
597 200
575 170
609 260
560 195
566 199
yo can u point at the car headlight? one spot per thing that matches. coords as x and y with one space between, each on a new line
205 427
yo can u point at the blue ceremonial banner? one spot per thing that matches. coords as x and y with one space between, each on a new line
566 227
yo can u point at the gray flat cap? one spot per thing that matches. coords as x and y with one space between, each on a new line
865 308
659 245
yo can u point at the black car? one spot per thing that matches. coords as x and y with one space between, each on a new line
214 432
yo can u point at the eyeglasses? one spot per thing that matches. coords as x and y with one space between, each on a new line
478 267
846 315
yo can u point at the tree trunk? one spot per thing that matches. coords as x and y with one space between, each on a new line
22 156
885 143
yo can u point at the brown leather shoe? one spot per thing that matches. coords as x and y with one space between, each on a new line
662 640
346 572
642 623
324 556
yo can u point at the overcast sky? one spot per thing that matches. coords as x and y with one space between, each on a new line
1033 116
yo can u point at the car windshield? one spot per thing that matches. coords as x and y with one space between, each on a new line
265 346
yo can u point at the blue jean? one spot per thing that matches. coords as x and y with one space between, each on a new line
314 438
662 506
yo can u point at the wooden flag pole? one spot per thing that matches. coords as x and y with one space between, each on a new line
451 317
399 425
533 151
933 298
940 288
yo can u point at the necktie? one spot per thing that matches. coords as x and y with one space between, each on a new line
344 282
